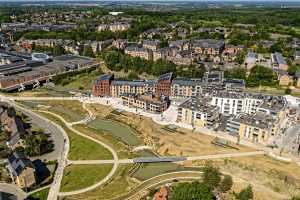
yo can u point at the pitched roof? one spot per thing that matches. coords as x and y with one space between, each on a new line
18 162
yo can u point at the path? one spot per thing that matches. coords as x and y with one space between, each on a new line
112 151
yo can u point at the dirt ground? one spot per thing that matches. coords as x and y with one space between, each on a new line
271 179
182 142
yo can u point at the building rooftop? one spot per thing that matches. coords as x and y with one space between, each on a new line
138 83
279 59
18 162
187 82
209 43
105 77
199 105
166 77
259 120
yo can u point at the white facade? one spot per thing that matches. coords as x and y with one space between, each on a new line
234 106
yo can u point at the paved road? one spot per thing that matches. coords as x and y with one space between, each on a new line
13 189
62 158
55 133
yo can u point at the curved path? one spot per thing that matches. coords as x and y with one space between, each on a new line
62 160
112 151
159 180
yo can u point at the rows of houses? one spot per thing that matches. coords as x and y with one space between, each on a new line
21 169
114 27
181 52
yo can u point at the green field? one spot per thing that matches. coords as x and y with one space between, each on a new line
106 137
80 147
40 195
120 184
81 176
85 149
118 130
146 171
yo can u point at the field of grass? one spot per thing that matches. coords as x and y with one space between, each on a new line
120 184
118 130
81 176
40 195
80 147
121 148
148 170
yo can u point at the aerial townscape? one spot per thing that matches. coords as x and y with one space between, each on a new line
150 100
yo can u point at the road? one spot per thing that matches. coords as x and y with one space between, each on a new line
62 158
13 189
63 161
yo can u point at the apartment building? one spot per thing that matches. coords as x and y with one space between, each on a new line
163 86
186 87
164 53
139 52
257 128
181 45
114 27
185 57
198 112
147 103
101 86
151 44
119 87
232 103
208 46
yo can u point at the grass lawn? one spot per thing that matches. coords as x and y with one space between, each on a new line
40 195
118 130
70 110
80 147
146 171
120 184
121 148
81 176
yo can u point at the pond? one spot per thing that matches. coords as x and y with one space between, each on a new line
118 130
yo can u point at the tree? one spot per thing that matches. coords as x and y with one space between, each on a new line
260 75
292 69
211 175
226 183
192 191
287 91
88 51
245 194
296 198
236 73
58 50
240 57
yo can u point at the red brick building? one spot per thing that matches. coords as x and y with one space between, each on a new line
101 86
163 86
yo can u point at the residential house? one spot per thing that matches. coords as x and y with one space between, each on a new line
22 170
151 44
284 78
139 52
278 61
208 46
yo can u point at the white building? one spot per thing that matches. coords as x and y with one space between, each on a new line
235 103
